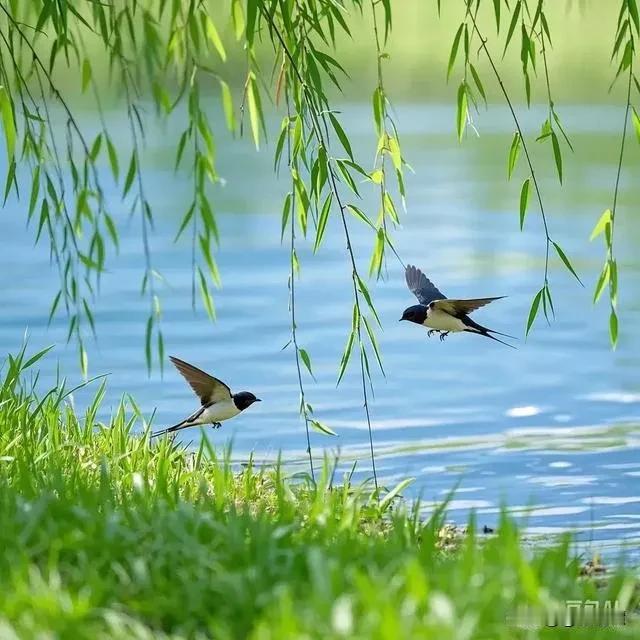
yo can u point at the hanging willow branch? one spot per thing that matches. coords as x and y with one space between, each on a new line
628 22
325 167
543 297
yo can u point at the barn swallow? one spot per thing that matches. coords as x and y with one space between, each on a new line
441 314
218 403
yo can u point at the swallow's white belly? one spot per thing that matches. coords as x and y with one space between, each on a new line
443 321
218 412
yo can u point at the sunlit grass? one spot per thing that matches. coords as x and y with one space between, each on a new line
104 535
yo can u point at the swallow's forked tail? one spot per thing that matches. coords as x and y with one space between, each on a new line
176 427
488 335
474 327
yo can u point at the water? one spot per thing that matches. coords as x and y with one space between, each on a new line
551 429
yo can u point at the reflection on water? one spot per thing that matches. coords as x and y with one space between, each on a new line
551 429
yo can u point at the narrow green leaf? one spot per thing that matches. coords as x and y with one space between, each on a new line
111 228
545 131
603 281
375 264
113 159
214 37
356 166
374 344
454 50
346 355
95 147
547 294
33 359
545 26
284 131
297 137
322 221
476 79
253 99
11 180
207 300
342 136
556 117
613 279
147 341
514 153
524 201
603 221
633 11
180 149
566 261
227 104
286 210
385 503
322 428
394 152
8 123
35 191
461 116
496 11
307 361
208 217
360 214
512 25
302 205
533 312
377 176
86 74
636 122
130 175
613 328
161 350
378 109
54 307
367 296
84 361
237 16
557 154
621 33
89 314
252 13
342 167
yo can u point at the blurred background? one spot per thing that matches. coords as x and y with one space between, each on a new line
552 429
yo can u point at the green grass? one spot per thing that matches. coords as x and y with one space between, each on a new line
105 535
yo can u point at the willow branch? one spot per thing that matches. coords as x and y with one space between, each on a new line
292 303
316 117
618 173
524 147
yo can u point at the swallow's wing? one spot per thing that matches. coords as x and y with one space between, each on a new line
459 308
206 387
421 286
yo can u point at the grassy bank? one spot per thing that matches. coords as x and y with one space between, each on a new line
105 536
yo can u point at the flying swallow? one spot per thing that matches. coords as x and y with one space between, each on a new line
218 403
441 314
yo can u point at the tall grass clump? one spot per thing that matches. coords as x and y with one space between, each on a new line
105 535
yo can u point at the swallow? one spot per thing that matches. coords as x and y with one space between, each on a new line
218 403
443 315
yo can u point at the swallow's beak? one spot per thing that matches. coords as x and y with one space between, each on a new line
258 400
401 319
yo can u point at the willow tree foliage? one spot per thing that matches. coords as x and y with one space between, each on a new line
172 52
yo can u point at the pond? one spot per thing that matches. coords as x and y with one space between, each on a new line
551 429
